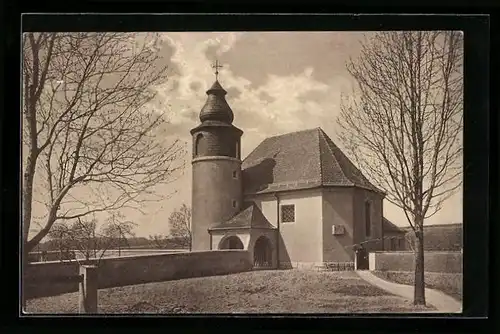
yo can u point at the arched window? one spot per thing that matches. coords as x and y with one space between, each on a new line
197 143
232 242
368 218
237 149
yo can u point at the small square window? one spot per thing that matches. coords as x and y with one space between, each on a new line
235 174
234 203
288 213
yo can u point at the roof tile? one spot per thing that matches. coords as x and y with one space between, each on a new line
249 217
388 226
299 160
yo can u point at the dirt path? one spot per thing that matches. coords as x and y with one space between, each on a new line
438 299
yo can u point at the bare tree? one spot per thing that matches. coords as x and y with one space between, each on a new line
180 224
84 237
158 241
118 230
60 234
90 142
403 124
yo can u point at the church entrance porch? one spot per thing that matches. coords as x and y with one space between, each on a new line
251 231
261 244
262 253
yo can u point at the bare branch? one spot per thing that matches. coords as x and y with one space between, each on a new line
86 108
180 224
404 121
403 124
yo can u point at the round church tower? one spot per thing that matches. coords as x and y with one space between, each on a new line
217 186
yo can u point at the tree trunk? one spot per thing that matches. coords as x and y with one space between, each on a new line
25 262
31 244
419 292
27 201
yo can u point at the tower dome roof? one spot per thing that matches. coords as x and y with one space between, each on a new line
216 107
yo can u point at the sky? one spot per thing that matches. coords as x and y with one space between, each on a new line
277 82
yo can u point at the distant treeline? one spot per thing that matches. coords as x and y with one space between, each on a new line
129 243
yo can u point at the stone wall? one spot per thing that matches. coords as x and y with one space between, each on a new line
131 270
447 262
318 266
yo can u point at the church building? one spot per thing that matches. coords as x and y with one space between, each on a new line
295 201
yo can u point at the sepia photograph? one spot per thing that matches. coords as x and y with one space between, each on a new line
242 172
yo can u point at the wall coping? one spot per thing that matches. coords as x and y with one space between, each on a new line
131 257
247 229
159 251
412 252
215 157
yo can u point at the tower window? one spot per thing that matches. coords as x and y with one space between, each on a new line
368 219
235 174
197 144
237 149
234 203
288 213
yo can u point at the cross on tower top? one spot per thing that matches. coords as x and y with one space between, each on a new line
216 66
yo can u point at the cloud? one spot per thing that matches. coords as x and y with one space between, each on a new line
281 103
195 86
183 92
264 96
276 83
285 53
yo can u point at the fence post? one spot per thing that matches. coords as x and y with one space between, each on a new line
87 298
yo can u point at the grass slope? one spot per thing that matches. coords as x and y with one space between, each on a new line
449 283
289 291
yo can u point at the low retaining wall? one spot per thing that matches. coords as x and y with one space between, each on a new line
446 262
40 279
329 266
